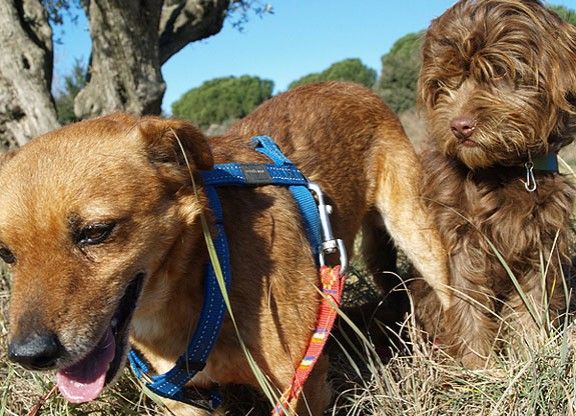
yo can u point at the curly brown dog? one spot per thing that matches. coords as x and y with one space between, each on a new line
92 211
498 86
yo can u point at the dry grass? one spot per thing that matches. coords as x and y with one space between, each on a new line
536 378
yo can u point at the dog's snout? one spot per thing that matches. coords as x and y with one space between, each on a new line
462 127
37 351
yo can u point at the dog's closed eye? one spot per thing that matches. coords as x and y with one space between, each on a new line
93 234
7 255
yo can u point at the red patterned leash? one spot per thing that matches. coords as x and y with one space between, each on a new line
332 287
332 281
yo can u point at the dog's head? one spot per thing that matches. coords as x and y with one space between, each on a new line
498 81
87 214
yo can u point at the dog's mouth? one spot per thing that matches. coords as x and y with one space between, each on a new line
469 143
85 380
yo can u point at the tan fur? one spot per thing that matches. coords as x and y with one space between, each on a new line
131 170
508 68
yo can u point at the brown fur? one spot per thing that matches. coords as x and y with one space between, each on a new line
508 68
130 170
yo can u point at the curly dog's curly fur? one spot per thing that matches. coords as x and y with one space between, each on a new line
497 85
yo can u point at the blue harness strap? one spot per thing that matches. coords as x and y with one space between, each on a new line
171 384
239 174
302 195
282 172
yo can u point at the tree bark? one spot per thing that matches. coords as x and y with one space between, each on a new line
185 21
130 42
26 106
124 69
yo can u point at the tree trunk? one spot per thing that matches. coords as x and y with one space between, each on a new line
130 41
124 70
26 105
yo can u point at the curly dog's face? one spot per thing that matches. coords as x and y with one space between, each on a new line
498 81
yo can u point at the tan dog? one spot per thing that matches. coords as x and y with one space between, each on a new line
91 213
498 86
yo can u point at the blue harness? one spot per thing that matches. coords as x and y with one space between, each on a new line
281 172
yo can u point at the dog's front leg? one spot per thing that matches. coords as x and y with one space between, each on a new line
533 312
469 328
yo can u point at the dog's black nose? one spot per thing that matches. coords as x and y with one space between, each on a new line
462 127
36 351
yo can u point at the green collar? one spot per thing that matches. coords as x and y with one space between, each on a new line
547 162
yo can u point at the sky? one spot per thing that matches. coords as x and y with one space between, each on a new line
300 37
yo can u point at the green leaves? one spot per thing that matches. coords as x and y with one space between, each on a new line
64 97
400 69
565 13
347 70
222 99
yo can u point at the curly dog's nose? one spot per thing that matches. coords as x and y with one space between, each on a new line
462 127
36 351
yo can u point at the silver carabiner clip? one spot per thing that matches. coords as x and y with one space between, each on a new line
530 183
330 245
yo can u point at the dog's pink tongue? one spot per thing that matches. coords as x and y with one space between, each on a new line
84 381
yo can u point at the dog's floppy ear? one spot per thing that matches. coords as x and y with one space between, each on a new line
167 140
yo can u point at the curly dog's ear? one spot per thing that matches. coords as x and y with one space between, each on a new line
169 143
560 58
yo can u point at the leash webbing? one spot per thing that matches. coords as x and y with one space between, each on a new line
332 287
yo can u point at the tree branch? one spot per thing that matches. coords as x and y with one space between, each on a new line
185 21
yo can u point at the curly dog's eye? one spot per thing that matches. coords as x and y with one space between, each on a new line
443 85
7 255
94 233
439 88
450 84
498 73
